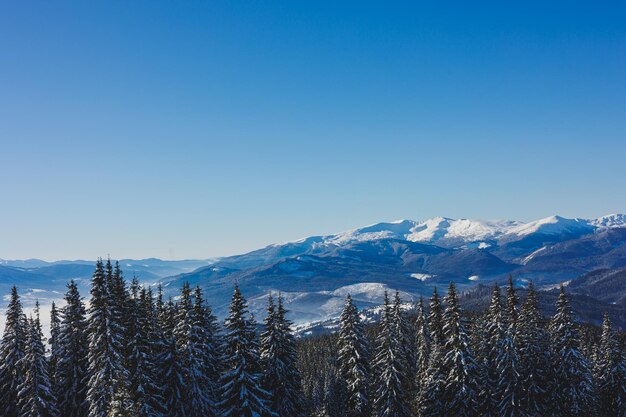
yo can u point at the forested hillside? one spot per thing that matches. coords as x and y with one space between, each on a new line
132 352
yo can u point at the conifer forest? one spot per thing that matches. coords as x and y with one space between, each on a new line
131 352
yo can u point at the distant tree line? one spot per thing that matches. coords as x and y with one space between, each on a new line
133 353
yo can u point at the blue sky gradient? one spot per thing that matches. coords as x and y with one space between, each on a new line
198 129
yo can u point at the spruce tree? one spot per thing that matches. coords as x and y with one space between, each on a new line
102 360
508 388
533 358
422 342
71 370
194 347
610 373
460 387
353 360
573 390
145 391
242 395
12 351
435 320
53 359
495 329
406 345
390 383
107 339
34 395
210 344
171 371
281 379
430 397
192 393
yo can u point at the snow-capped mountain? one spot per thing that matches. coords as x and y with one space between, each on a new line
315 273
440 230
447 232
413 256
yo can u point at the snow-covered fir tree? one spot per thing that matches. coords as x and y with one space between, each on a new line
353 360
53 341
190 352
435 320
34 395
532 342
171 371
242 395
145 391
71 371
390 398
490 347
460 392
281 379
610 373
573 386
12 350
196 353
430 397
107 333
210 342
422 344
508 389
406 345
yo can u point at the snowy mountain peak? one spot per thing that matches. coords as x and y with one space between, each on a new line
610 220
450 232
554 225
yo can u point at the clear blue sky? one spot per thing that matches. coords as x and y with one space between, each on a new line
205 128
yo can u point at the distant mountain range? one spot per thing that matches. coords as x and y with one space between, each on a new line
315 273
46 281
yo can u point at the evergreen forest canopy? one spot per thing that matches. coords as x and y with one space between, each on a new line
134 353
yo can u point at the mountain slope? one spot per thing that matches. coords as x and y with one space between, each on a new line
413 257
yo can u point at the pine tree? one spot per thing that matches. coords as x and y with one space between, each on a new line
192 393
12 351
107 338
192 350
495 329
171 371
210 343
102 360
281 379
242 395
422 340
435 320
534 361
145 391
610 374
71 371
460 386
390 383
573 390
35 397
507 366
353 360
406 345
430 398
53 360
